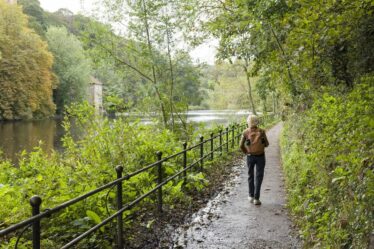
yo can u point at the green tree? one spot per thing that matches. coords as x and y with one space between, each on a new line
114 60
300 46
229 86
71 66
37 19
150 51
26 79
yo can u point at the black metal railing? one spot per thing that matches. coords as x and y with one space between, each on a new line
223 137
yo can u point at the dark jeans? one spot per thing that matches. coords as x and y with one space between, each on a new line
255 183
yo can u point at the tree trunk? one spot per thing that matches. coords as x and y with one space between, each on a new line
184 124
171 81
292 82
149 43
264 107
250 97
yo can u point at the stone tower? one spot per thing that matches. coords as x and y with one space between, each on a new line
95 94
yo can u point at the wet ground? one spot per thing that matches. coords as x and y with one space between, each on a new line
231 221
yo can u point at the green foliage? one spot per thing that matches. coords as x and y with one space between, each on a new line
125 61
160 77
115 104
37 17
328 158
71 67
26 80
229 87
87 162
196 182
297 46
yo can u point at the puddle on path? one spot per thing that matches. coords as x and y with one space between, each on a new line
192 230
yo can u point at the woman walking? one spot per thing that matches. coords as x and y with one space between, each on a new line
253 143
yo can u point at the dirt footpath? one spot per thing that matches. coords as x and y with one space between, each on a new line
230 221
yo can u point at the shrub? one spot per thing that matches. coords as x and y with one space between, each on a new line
328 161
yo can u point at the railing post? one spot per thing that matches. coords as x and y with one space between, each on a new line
185 161
237 132
201 153
119 170
233 136
159 181
211 146
238 137
220 142
35 203
227 139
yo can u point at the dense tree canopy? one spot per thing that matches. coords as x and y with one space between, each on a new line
26 80
71 67
299 47
138 62
36 15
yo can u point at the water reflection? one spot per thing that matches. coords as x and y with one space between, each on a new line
18 136
211 117
25 135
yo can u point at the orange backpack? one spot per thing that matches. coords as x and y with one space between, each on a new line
254 143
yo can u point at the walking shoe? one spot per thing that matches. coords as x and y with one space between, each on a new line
256 202
251 199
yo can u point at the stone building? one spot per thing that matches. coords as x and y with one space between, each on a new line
95 94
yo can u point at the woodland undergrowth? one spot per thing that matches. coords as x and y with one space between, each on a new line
328 162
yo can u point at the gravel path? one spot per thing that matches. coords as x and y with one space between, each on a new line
230 221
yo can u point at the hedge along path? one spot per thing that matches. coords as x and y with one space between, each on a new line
233 222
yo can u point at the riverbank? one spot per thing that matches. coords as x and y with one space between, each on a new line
90 162
17 136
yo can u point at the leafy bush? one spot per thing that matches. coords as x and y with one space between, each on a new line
87 162
328 161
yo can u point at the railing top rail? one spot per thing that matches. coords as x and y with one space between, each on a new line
127 207
51 211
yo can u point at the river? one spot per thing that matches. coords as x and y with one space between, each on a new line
25 135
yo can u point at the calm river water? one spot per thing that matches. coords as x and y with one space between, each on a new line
25 135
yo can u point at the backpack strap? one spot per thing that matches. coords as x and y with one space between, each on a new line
263 136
